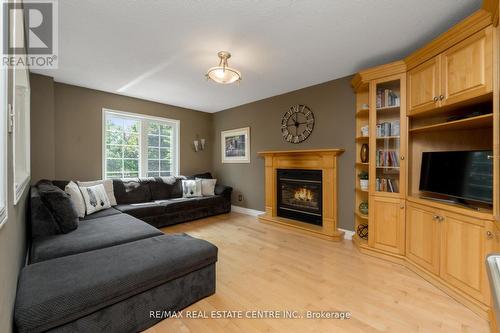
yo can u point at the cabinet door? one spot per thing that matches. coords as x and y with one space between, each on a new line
467 68
388 141
422 237
387 224
464 245
423 87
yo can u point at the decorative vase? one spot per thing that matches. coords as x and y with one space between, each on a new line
363 208
363 184
362 231
363 154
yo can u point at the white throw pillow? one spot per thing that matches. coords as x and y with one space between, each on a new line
108 185
191 188
95 198
76 197
207 186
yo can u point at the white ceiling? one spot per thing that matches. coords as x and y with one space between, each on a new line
160 50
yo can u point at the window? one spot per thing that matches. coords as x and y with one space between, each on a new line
139 146
3 139
20 121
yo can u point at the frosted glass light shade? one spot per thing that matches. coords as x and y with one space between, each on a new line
223 73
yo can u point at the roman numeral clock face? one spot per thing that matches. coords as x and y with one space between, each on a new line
297 124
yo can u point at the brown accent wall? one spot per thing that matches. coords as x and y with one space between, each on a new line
332 103
43 131
70 147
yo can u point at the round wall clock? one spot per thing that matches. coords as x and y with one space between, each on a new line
297 123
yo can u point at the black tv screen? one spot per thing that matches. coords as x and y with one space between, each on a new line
466 175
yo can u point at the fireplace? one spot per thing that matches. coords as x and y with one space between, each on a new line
299 194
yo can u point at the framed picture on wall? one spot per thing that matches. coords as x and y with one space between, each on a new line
235 145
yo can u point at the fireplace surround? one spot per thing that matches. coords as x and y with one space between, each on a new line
286 198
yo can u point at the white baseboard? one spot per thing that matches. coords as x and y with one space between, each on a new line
253 212
248 211
347 234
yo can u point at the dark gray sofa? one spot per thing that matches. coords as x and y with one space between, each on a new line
110 273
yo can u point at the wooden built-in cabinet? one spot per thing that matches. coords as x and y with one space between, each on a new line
423 86
451 246
460 74
387 224
448 100
422 237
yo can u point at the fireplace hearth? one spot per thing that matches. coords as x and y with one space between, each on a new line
299 195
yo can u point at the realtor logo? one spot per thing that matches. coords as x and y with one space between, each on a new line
30 34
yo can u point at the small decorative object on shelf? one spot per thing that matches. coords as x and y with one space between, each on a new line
365 106
364 153
364 130
362 231
363 180
363 207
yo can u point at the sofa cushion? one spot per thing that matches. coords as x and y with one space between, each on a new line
60 205
108 186
101 213
92 234
132 190
53 293
176 205
142 209
42 222
165 188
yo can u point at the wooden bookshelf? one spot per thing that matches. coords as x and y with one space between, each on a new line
483 121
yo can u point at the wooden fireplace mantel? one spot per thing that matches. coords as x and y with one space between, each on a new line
314 159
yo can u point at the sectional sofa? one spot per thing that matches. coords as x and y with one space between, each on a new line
116 269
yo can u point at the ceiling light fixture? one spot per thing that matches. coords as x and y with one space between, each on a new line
223 73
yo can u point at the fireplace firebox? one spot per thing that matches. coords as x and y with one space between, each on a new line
300 195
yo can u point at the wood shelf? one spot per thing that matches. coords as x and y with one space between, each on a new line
467 123
363 113
360 190
362 164
388 137
358 214
362 138
387 167
389 108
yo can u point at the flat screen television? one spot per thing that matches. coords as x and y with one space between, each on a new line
462 175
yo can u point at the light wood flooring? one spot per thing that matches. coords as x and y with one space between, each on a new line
266 267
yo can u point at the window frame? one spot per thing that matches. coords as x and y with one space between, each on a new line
143 139
4 100
20 185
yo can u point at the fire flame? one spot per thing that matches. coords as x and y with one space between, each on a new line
303 194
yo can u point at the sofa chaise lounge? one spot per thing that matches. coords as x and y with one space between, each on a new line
115 270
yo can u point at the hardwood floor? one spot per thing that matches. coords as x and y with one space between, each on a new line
266 267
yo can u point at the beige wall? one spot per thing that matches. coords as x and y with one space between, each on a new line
44 133
332 104
76 146
69 145
12 244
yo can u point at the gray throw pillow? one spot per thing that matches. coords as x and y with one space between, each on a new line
60 205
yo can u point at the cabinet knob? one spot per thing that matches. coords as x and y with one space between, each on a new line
435 99
441 219
402 206
402 157
435 217
489 234
441 97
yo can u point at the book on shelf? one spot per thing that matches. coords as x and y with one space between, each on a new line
388 129
386 185
387 98
387 158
